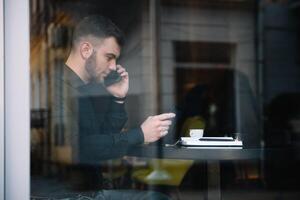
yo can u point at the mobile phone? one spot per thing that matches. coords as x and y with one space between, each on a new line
112 78
216 139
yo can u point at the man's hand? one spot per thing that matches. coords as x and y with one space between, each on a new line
155 127
120 89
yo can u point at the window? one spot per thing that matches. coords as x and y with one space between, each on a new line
228 67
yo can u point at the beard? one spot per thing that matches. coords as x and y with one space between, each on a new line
90 67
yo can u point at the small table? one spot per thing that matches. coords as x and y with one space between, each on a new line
211 155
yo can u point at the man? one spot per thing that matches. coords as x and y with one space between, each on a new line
96 46
91 113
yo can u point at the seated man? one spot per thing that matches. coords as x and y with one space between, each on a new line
91 112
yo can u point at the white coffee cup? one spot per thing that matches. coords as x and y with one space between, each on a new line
196 133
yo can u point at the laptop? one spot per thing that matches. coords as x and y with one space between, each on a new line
211 142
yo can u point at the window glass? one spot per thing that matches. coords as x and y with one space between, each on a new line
1 104
108 77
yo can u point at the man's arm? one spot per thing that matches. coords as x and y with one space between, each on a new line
97 147
110 115
117 117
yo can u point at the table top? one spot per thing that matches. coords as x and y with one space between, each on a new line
205 153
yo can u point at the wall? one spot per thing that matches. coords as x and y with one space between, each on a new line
195 24
281 44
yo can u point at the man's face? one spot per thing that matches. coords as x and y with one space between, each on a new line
103 59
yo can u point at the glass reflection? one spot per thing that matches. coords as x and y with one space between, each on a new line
228 67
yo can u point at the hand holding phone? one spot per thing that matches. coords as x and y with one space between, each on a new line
117 82
112 78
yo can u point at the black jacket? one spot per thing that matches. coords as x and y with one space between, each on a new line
90 120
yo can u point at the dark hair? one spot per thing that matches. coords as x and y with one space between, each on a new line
99 27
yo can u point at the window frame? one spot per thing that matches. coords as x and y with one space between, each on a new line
16 99
1 101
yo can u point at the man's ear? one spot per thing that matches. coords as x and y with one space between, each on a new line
86 50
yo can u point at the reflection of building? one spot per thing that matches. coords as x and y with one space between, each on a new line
200 37
195 36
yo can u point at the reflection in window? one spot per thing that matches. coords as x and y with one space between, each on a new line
230 67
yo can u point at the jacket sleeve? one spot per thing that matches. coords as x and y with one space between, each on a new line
110 116
117 117
100 123
97 147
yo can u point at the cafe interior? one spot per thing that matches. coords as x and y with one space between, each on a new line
228 67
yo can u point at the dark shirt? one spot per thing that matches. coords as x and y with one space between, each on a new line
92 120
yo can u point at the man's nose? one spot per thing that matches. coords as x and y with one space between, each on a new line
112 65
